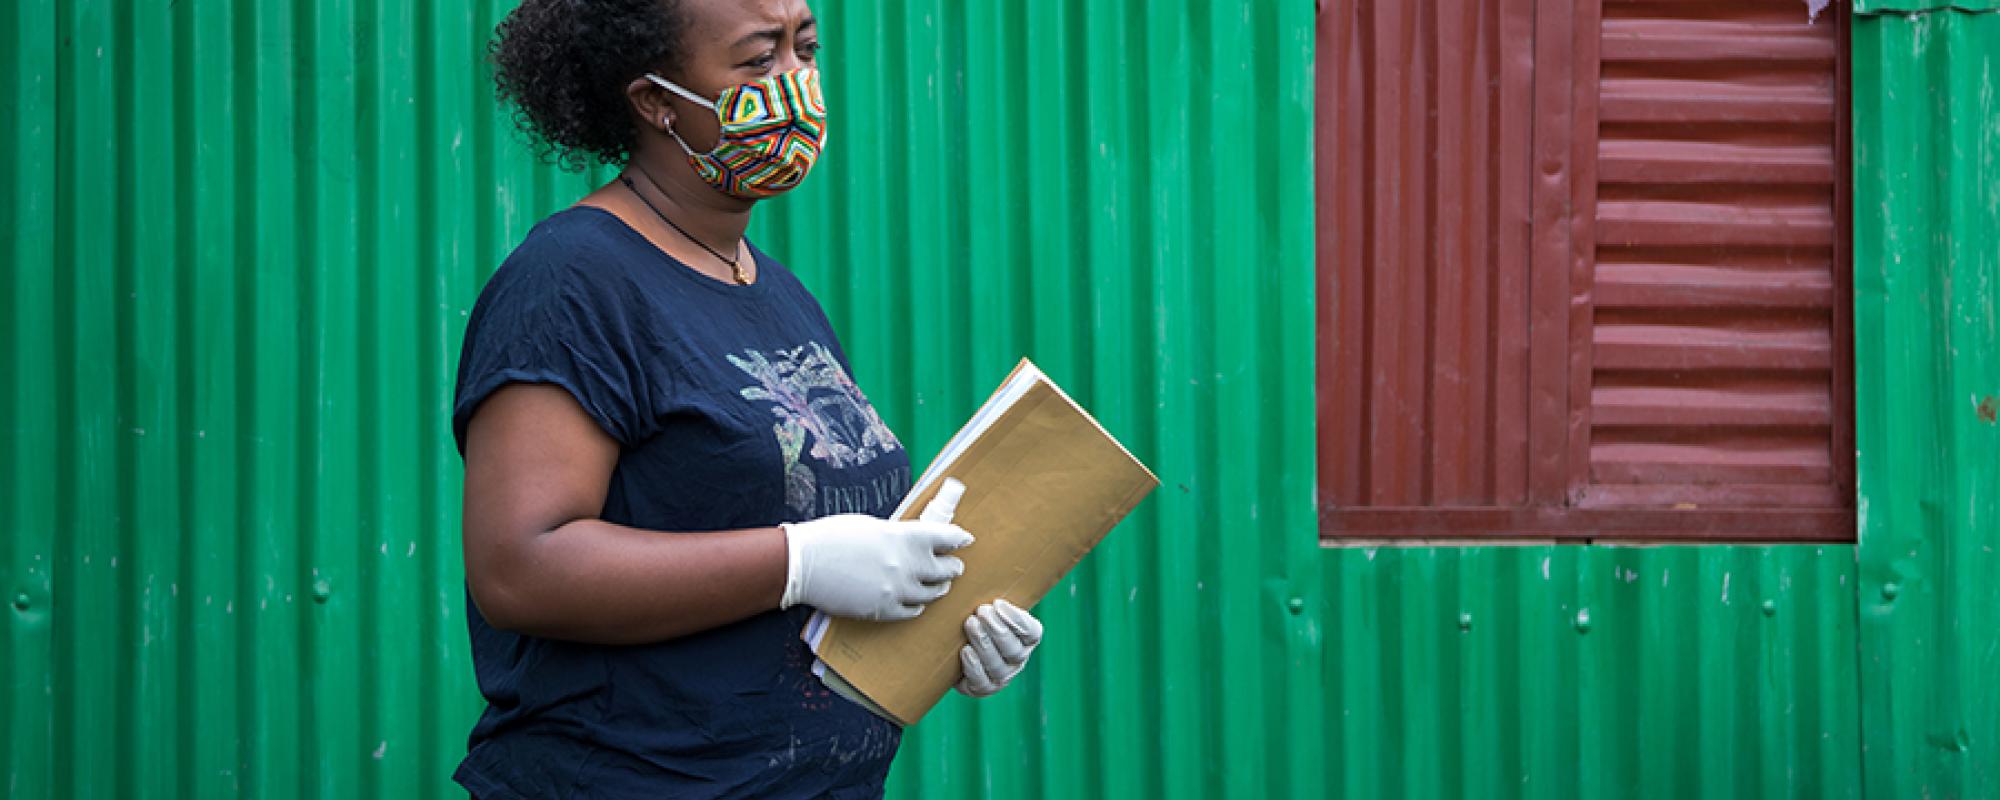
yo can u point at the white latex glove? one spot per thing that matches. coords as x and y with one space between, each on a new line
855 565
1001 637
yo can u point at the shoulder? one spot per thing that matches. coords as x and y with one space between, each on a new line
558 311
574 257
560 246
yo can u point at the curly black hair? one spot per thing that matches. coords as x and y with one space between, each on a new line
564 64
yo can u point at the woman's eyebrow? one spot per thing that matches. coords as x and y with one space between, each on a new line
771 34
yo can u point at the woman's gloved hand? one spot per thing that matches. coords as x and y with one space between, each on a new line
1001 636
855 565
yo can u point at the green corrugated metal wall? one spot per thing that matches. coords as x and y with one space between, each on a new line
1927 335
242 238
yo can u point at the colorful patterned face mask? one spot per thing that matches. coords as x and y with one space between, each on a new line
772 131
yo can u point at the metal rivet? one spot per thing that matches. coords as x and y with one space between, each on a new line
1770 608
1297 605
322 590
1465 621
1583 621
1890 590
22 601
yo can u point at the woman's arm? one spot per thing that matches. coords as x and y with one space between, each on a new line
540 562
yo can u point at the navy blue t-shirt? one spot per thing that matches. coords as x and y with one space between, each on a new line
733 407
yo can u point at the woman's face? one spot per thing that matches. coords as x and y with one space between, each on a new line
733 42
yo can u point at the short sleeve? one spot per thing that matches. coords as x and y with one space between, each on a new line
547 324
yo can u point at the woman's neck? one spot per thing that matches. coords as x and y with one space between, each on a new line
716 219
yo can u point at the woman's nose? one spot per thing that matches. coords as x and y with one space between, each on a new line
787 61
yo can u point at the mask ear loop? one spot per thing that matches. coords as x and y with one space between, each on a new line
685 94
678 140
668 121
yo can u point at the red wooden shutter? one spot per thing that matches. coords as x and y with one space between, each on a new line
1583 271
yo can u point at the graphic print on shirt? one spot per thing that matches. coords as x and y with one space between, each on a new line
822 418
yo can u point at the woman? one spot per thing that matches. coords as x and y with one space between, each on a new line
667 466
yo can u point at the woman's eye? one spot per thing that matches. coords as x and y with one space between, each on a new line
761 62
809 51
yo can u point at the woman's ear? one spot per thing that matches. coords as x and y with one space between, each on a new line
649 102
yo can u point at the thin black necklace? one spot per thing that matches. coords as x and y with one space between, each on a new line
734 268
